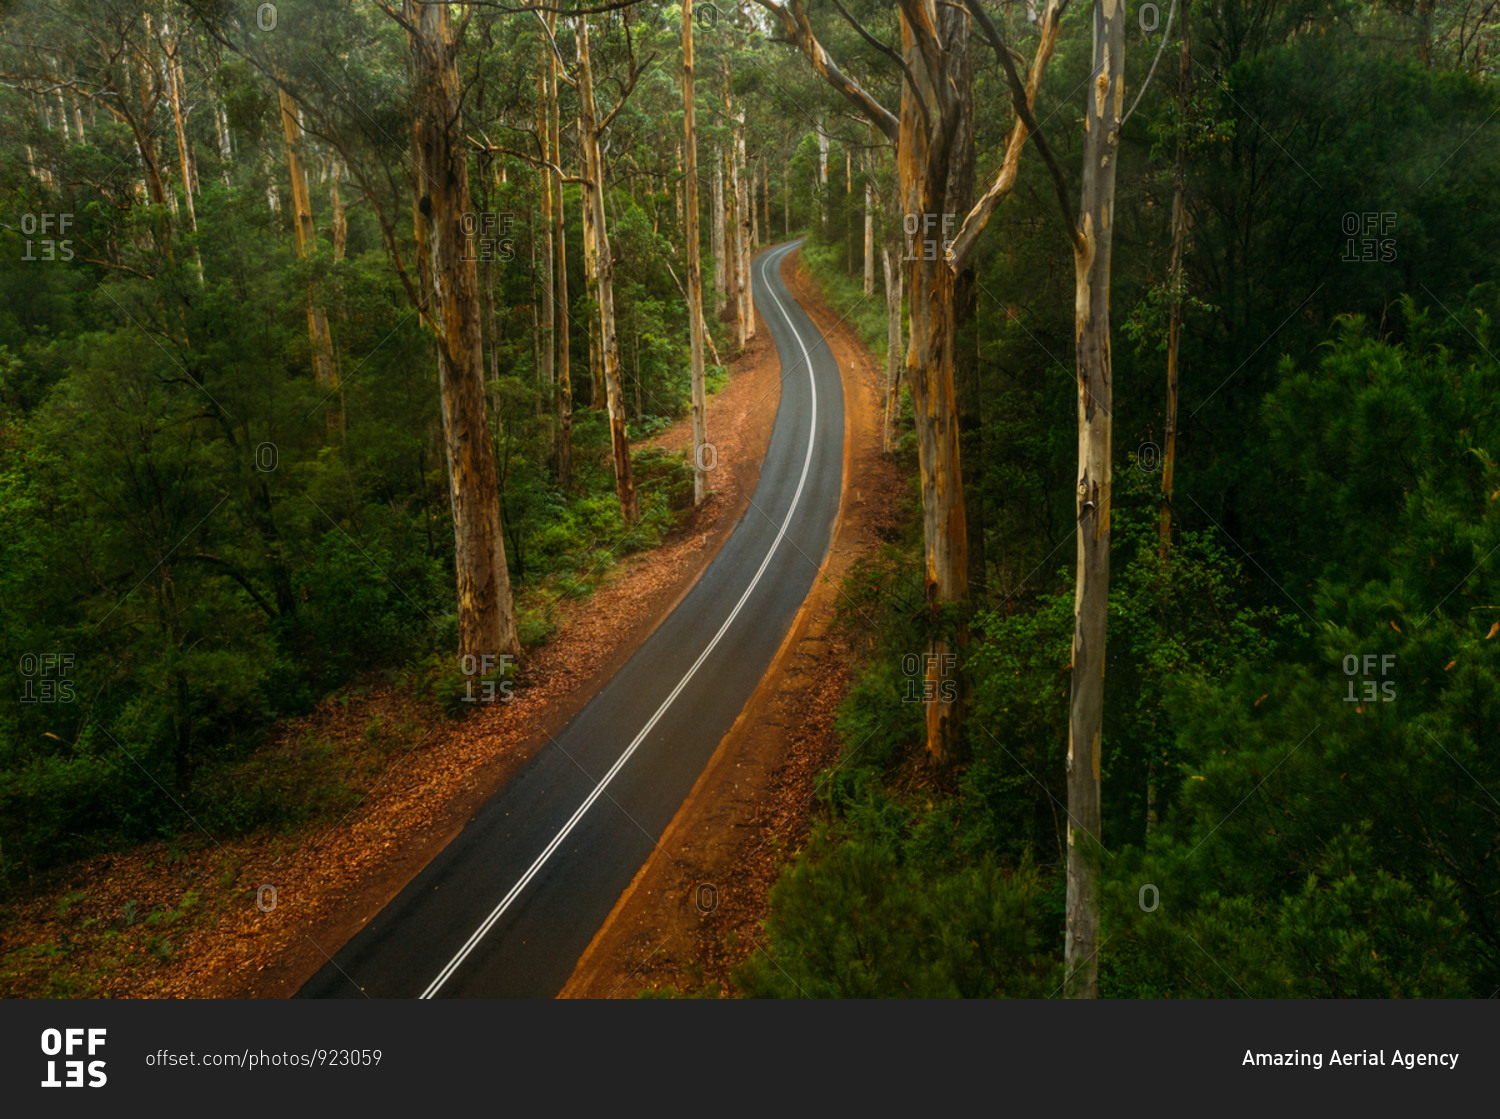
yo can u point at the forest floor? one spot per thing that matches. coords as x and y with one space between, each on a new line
694 910
254 915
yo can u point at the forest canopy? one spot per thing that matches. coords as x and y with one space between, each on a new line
1207 365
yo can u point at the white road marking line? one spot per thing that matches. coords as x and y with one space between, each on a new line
489 922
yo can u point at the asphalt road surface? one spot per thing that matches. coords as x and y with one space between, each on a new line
508 907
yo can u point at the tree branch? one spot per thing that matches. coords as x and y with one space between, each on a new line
1165 35
1022 98
794 22
241 578
488 146
893 54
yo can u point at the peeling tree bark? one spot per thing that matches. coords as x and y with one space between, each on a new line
450 289
1095 403
923 160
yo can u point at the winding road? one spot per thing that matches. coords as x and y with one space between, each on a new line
509 906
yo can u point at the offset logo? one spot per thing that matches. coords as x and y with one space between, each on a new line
66 1043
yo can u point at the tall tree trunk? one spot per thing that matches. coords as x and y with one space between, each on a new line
184 153
869 233
604 264
720 270
923 164
1175 274
548 312
449 283
590 271
694 257
754 170
786 198
564 374
226 141
305 233
893 355
677 195
849 209
765 195
731 252
960 199
1095 404
822 174
1176 278
338 221
743 206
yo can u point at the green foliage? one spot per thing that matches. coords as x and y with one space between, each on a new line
1323 764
